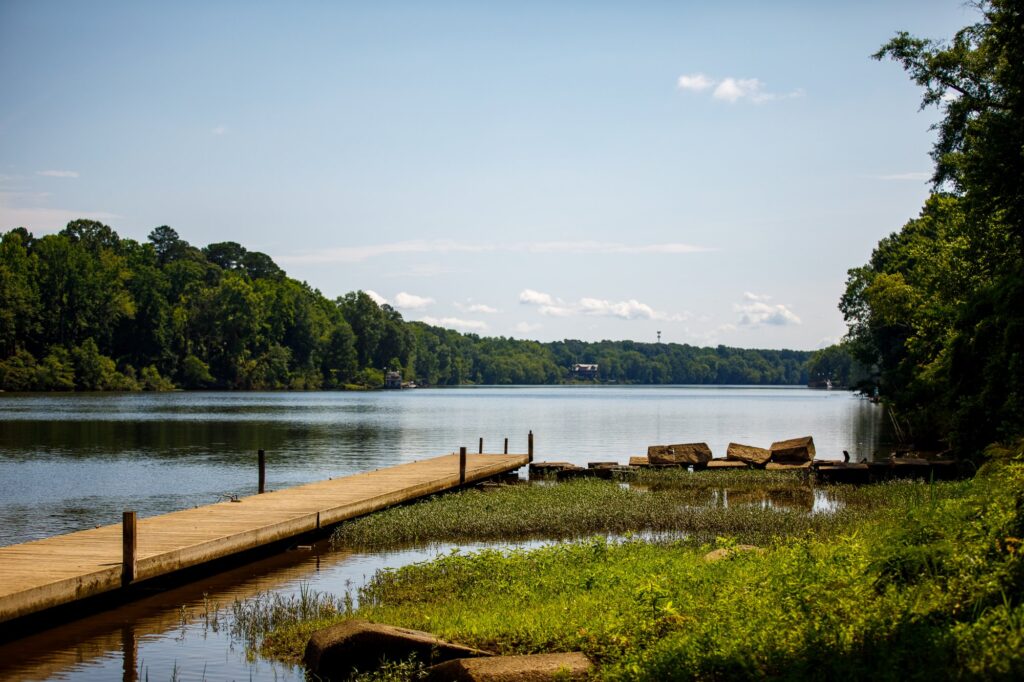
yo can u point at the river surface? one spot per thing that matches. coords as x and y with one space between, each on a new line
72 461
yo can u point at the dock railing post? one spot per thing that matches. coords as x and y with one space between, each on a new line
129 543
262 456
529 446
462 465
481 451
506 445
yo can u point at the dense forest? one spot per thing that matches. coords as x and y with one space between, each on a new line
87 309
939 308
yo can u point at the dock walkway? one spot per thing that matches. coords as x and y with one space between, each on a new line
41 574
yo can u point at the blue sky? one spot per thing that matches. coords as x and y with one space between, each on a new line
543 170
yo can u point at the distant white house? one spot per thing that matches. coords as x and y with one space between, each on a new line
393 380
584 371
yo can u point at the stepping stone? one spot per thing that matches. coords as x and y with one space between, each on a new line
748 453
794 450
534 668
335 651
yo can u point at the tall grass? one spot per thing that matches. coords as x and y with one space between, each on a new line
752 506
931 589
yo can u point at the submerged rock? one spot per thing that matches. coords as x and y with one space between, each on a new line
748 453
793 451
534 668
680 453
333 653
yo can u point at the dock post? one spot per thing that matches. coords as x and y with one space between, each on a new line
129 543
481 451
529 446
506 445
462 465
263 470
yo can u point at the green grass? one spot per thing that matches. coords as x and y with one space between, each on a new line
676 502
924 583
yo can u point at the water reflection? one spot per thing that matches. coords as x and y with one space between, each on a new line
69 462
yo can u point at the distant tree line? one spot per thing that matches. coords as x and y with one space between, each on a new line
86 309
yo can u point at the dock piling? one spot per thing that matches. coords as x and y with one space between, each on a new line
529 446
129 543
462 465
506 445
481 450
262 456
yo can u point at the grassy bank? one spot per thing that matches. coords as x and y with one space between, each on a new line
751 506
917 582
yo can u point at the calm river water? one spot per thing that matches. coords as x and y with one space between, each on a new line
69 462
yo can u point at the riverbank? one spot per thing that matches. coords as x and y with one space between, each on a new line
906 581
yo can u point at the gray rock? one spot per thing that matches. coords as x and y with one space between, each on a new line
535 668
334 652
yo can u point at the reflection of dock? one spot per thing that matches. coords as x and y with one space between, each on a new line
60 570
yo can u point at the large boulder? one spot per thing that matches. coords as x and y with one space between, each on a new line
333 653
793 451
682 453
748 453
535 668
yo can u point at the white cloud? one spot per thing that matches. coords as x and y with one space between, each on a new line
455 323
531 297
914 175
377 298
355 254
220 130
731 89
630 309
695 82
409 301
58 173
757 312
476 308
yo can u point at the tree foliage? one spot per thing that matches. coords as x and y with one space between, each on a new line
939 306
86 309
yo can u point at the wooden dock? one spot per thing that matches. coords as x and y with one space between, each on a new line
42 574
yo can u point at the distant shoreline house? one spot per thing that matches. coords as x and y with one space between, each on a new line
393 380
584 371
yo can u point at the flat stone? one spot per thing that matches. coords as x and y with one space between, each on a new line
794 450
726 464
332 653
748 453
639 462
680 453
776 466
534 668
550 467
602 465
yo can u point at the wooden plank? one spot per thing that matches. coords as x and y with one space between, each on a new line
58 570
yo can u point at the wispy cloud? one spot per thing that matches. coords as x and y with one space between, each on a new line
455 323
756 311
355 254
408 301
470 307
58 173
630 309
914 175
731 89
21 209
377 298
